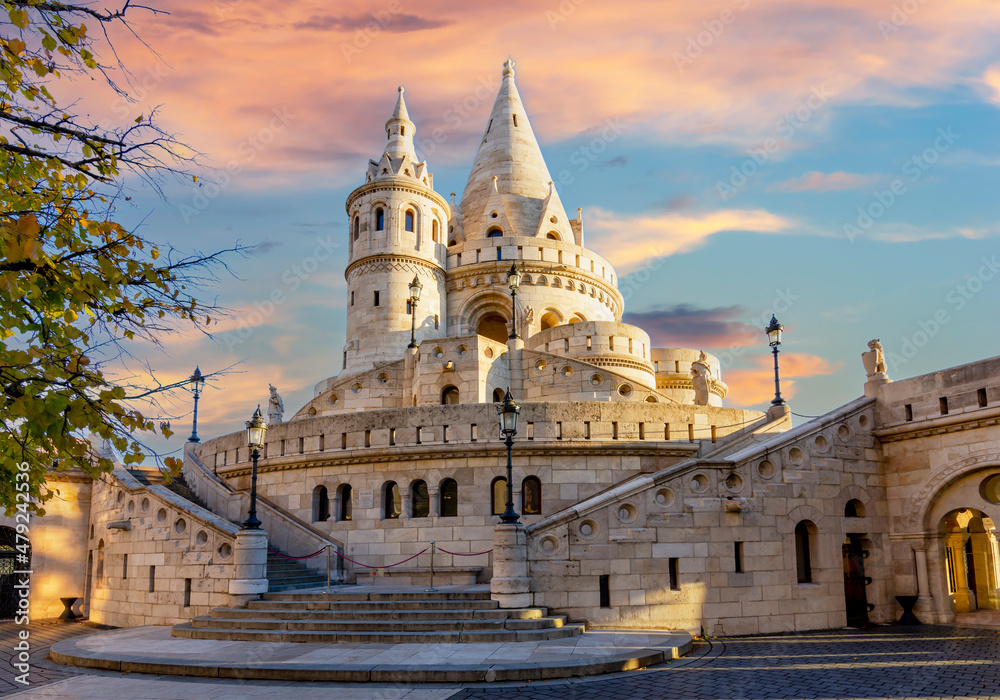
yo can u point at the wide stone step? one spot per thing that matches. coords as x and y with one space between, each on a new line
190 631
312 604
333 615
207 622
388 595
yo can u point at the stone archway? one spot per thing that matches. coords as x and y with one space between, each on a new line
972 560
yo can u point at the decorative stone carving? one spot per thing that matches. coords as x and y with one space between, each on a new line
701 378
275 406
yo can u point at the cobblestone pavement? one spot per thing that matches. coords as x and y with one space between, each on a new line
884 662
42 635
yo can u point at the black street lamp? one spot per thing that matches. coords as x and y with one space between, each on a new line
196 382
774 339
256 429
513 281
508 411
415 288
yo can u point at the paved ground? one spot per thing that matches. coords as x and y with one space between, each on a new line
885 662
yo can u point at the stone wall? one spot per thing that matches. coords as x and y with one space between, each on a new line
695 511
940 437
155 558
58 544
367 450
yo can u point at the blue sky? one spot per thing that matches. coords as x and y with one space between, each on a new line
827 109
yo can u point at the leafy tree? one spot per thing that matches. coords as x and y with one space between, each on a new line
76 288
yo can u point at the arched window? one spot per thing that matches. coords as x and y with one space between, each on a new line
804 535
448 495
550 319
409 220
498 396
854 509
531 495
434 231
498 495
494 232
449 395
420 501
344 496
357 227
552 236
321 505
380 219
392 504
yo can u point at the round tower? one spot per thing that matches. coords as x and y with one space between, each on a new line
396 230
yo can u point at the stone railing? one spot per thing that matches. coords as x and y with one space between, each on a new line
285 532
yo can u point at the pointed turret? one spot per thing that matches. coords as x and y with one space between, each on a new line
400 157
509 154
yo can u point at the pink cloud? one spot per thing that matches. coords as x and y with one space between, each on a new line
749 387
824 182
226 67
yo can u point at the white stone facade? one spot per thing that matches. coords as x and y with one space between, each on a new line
645 502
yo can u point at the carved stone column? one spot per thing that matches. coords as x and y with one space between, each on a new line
250 567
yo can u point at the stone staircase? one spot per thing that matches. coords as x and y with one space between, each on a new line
379 617
289 575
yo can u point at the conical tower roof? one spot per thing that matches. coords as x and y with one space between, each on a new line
509 153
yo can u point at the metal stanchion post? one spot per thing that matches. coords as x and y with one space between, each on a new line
327 568
432 589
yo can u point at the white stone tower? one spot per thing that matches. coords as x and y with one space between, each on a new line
397 229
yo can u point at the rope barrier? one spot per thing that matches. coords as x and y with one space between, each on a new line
459 554
285 556
380 567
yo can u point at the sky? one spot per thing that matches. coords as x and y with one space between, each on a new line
833 162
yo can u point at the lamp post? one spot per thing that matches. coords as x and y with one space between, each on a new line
256 429
508 411
774 339
513 281
196 382
415 288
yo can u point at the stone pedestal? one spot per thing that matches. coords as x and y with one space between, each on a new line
510 585
778 412
250 564
874 382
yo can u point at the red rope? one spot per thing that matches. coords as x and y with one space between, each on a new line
285 556
459 554
379 567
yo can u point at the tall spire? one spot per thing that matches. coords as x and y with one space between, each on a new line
399 157
509 152
399 130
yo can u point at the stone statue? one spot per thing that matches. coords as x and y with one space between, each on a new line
874 359
275 406
701 378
